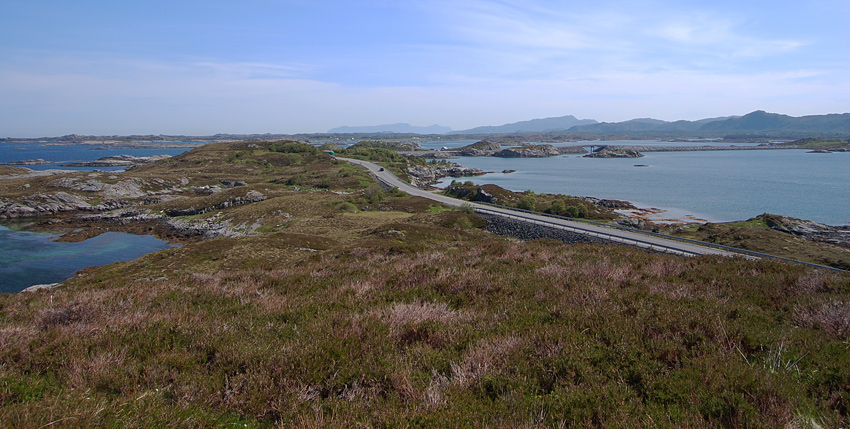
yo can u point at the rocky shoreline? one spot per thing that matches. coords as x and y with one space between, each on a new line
488 148
38 161
424 176
709 148
534 150
615 152
809 229
98 198
127 161
158 204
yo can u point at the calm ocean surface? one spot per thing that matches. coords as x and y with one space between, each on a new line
10 152
31 258
718 186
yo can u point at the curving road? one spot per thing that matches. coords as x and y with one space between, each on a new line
628 237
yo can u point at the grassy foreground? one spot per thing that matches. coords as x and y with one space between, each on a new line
405 315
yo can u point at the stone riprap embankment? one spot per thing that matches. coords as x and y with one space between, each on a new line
528 231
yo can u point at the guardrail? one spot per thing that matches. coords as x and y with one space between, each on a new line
644 244
597 234
656 234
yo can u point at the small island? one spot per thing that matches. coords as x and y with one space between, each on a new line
614 152
38 161
118 161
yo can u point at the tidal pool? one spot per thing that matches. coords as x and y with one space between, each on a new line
31 258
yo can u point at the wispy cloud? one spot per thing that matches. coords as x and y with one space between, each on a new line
248 70
705 33
563 37
457 63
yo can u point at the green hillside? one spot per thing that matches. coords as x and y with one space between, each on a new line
339 304
773 123
754 125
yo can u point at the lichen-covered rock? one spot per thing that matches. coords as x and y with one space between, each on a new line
43 204
118 161
529 151
424 175
808 229
622 152
131 188
481 148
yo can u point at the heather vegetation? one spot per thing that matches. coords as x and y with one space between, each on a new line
556 204
371 151
819 143
351 305
380 144
756 235
480 332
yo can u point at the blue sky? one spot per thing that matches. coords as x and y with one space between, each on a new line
278 66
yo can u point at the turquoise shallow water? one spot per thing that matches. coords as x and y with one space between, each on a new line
716 185
31 258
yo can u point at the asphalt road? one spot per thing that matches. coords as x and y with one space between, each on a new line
631 238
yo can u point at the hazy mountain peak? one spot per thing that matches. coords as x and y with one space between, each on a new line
403 128
560 123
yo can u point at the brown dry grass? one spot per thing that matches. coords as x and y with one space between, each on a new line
397 318
485 332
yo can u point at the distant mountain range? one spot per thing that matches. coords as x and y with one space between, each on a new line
561 123
758 123
755 124
643 125
392 128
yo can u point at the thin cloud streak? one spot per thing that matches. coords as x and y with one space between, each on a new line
460 64
233 103
545 36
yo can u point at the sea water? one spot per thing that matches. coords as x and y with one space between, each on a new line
718 186
61 154
31 258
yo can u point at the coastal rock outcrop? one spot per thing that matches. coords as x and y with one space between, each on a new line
425 175
38 161
481 148
808 229
609 204
529 151
50 204
118 161
478 194
23 172
612 152
131 188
